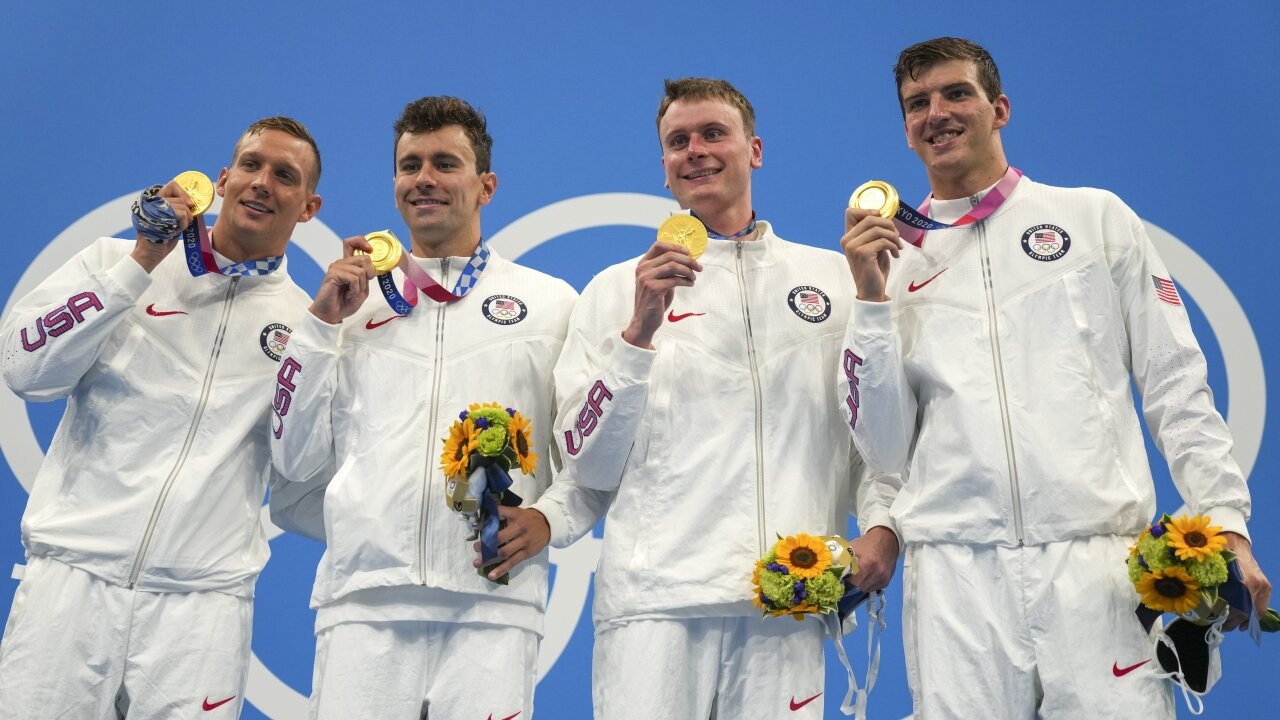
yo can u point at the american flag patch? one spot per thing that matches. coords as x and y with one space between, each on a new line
808 297
1166 291
504 304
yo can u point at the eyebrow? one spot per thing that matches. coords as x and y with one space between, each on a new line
944 88
713 124
285 164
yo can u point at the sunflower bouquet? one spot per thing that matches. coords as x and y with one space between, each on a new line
485 443
802 574
1182 565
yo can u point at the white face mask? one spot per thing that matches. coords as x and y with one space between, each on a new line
1189 655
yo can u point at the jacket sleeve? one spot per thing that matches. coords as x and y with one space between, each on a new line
298 507
302 447
879 404
1170 372
603 385
55 334
571 510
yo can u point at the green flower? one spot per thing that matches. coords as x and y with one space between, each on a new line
825 590
777 587
1208 573
496 416
1155 551
492 441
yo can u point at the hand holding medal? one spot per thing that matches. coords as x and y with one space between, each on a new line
660 271
155 217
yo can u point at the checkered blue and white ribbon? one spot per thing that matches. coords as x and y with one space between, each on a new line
417 279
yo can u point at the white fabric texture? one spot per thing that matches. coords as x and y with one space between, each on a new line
1000 382
709 669
718 440
412 670
371 400
166 378
74 644
1042 631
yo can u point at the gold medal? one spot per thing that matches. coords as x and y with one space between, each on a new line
686 231
387 251
199 188
875 195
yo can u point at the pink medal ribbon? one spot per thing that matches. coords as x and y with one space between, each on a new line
913 224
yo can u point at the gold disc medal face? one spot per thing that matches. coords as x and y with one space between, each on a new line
875 195
387 251
199 188
686 231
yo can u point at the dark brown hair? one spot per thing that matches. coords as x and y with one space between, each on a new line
920 57
429 114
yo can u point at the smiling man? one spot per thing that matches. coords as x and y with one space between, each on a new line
992 366
142 531
695 393
405 626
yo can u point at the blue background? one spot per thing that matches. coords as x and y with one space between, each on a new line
1171 105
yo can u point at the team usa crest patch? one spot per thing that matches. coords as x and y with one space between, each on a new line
504 309
273 340
1045 242
809 303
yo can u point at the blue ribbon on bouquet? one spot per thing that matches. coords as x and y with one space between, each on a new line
497 491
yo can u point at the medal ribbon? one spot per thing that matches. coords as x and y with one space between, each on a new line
417 280
751 226
198 247
913 224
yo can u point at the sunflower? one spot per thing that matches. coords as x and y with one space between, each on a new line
804 556
456 457
1193 538
520 431
1169 590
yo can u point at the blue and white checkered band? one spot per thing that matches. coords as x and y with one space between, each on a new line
153 217
197 246
264 266
471 273
751 226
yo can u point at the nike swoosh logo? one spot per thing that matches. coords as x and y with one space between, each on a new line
797 705
153 312
210 706
370 324
673 317
912 287
1121 672
505 718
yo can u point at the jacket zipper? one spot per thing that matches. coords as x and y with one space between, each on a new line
433 411
205 388
755 385
998 364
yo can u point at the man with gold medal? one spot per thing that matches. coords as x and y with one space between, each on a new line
395 346
694 394
142 530
991 366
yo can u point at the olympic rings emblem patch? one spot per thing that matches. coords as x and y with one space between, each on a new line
1045 242
809 303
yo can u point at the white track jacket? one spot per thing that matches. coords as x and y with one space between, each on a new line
718 440
361 412
156 474
999 377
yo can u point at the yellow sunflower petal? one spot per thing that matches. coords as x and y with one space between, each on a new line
804 556
1169 590
1192 538
456 456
